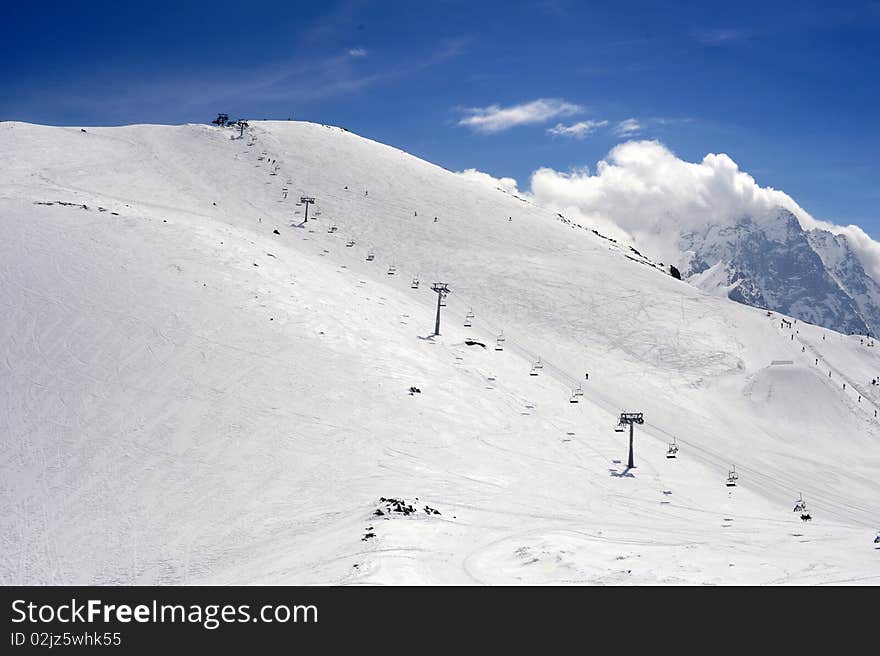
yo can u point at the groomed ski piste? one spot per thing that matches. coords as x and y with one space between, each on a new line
199 387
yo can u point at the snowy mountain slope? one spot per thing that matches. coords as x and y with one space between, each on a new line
775 264
173 413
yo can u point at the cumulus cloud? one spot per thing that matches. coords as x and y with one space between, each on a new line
642 193
507 184
627 128
495 118
577 130
358 52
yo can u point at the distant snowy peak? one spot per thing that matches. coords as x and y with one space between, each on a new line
770 261
845 267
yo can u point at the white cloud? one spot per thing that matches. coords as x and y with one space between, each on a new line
577 130
644 194
642 187
507 184
716 37
358 52
627 128
495 118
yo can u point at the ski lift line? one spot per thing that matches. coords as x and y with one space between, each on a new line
782 486
711 458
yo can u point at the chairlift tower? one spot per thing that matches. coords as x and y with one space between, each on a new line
630 418
306 200
442 290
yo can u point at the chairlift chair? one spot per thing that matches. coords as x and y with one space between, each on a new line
800 506
499 342
392 270
618 427
672 451
415 283
877 539
805 516
539 364
533 372
579 391
468 319
332 229
371 256
732 477
574 396
349 243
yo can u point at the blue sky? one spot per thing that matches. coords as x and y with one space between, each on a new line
789 90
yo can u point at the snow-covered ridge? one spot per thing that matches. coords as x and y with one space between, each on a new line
773 263
198 386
